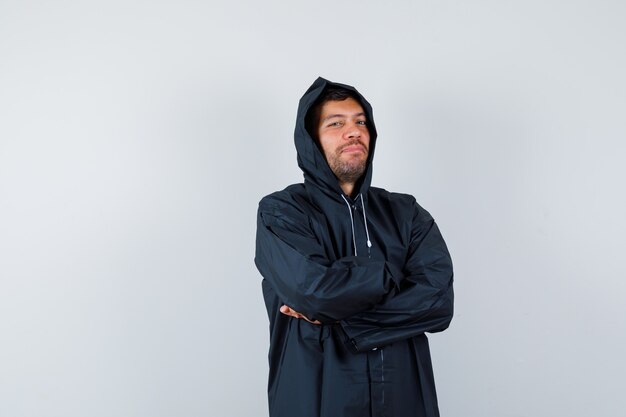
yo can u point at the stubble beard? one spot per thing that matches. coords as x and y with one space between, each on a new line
347 170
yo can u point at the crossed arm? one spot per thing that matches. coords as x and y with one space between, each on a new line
374 302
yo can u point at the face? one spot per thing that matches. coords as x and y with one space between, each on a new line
344 138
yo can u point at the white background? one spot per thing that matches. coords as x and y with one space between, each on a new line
136 138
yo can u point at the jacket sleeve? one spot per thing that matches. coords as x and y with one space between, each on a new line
290 257
424 300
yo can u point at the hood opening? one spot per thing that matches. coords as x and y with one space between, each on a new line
310 155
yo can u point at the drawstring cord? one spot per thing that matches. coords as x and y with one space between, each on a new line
367 233
351 223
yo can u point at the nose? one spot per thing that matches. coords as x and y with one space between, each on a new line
352 131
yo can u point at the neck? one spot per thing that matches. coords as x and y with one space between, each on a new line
347 188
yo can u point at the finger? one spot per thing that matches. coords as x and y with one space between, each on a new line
288 311
312 321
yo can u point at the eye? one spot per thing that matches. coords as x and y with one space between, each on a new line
361 122
335 124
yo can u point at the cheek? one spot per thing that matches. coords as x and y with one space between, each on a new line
365 138
326 145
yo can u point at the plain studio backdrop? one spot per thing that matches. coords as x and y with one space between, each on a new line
137 137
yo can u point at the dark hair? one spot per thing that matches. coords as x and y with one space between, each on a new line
332 93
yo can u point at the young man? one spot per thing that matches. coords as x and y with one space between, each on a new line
353 275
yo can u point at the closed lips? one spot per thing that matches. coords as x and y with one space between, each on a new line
353 148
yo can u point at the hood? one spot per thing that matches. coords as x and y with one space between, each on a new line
311 159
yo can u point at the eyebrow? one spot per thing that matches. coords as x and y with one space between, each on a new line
341 115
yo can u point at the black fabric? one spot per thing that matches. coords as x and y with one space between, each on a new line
370 356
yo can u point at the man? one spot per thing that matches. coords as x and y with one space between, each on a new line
353 275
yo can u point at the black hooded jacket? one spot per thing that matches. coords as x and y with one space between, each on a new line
373 269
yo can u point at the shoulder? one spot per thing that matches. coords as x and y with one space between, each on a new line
290 205
392 197
290 197
401 204
286 210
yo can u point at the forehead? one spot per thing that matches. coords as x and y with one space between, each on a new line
347 107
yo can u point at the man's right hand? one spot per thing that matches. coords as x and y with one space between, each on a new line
288 311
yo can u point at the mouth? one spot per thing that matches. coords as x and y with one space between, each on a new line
353 149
